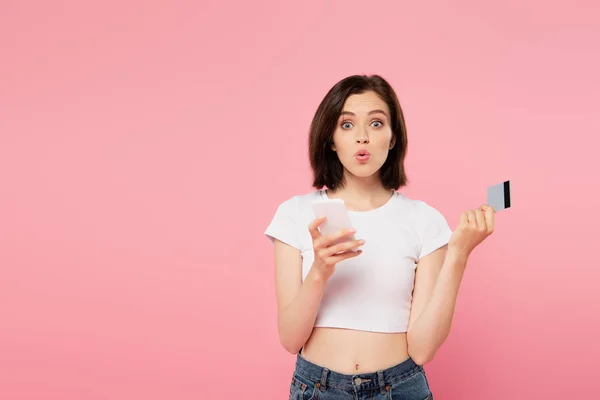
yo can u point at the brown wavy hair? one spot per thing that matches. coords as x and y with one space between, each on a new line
327 169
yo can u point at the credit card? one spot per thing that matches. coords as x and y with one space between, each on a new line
498 196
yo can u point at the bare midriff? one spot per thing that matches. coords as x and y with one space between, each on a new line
350 351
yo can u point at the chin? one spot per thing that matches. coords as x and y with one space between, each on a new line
363 172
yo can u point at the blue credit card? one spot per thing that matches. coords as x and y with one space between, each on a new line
498 196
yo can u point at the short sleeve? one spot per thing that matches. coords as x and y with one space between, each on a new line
435 232
283 226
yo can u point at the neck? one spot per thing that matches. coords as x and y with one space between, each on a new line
361 193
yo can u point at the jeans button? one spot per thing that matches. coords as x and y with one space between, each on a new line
357 381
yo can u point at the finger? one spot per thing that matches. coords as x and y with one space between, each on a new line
345 246
487 208
489 213
464 219
339 234
313 227
480 218
323 242
343 256
471 217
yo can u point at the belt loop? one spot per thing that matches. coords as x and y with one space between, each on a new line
381 382
324 379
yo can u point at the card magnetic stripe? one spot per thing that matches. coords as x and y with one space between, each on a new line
507 194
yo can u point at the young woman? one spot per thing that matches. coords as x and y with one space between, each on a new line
363 323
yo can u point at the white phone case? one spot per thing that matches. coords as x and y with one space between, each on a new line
337 218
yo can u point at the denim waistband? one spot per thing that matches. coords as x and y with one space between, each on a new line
377 380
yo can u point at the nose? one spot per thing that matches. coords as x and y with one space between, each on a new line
362 137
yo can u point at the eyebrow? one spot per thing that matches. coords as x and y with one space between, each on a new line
370 112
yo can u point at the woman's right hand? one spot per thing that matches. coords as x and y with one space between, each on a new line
327 254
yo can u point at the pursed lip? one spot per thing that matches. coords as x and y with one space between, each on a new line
362 152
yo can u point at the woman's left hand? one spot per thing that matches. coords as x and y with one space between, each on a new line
473 228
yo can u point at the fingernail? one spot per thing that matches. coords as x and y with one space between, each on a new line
361 241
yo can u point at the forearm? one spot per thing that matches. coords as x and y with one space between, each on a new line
432 326
297 320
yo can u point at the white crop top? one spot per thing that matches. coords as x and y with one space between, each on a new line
371 292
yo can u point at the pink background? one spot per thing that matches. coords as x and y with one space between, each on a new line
144 147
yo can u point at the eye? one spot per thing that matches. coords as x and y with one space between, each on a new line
345 125
378 122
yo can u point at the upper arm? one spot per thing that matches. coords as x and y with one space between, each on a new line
435 234
284 233
288 273
428 269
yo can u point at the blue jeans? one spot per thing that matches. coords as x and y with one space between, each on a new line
405 381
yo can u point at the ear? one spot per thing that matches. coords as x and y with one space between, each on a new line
393 142
333 146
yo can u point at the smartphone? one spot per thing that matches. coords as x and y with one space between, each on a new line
337 218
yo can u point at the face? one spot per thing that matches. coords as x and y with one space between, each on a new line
364 127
